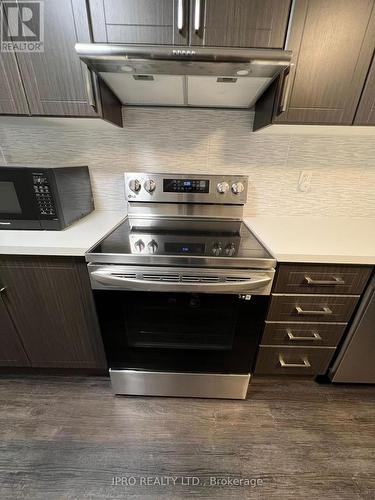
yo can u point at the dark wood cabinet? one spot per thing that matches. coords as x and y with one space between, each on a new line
219 23
11 350
332 44
311 307
139 21
12 96
366 110
55 82
239 23
50 303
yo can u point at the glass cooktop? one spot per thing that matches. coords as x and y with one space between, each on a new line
149 240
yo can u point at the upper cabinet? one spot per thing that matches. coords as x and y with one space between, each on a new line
220 23
12 96
332 43
163 22
366 110
54 82
239 23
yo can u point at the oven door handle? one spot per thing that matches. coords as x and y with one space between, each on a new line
108 279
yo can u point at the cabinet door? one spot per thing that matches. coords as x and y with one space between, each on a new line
366 110
139 21
239 23
332 43
12 96
54 80
51 305
11 350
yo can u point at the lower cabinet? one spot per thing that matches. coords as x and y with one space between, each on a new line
311 306
47 307
11 350
282 360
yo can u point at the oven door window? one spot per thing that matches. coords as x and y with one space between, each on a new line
180 331
181 321
17 199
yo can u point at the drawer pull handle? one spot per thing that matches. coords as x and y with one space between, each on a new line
335 281
315 336
325 311
3 289
305 363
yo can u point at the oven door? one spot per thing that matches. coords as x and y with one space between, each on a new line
18 207
180 332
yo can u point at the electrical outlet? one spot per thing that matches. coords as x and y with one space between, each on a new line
304 182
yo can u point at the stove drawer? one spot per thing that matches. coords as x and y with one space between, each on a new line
280 360
332 308
303 334
322 279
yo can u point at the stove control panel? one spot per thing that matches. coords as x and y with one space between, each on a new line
169 245
181 188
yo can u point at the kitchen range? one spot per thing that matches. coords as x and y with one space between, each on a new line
181 288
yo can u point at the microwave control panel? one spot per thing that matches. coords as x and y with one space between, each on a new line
42 190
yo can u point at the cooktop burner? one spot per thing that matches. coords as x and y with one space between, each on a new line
182 241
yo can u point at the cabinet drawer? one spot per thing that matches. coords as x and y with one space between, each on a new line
337 308
338 280
306 334
280 360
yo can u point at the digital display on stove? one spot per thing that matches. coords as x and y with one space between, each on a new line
185 248
186 185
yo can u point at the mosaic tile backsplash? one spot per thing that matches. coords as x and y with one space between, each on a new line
206 141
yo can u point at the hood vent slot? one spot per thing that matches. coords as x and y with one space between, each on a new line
226 79
144 78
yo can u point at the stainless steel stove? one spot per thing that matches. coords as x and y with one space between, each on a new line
181 288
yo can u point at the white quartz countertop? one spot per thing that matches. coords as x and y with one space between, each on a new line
332 240
75 240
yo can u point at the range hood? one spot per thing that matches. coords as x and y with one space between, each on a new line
184 76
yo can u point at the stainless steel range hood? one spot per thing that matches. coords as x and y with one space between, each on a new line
184 76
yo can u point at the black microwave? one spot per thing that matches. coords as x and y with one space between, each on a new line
43 197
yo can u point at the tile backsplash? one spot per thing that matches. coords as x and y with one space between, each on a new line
205 141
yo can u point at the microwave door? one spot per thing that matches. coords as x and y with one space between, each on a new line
18 207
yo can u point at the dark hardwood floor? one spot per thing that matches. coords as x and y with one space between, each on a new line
68 437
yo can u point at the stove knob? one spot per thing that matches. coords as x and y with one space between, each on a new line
139 245
150 186
152 246
135 185
222 187
216 249
237 187
230 249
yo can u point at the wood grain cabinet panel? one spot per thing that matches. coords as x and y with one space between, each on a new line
51 305
366 110
11 350
306 334
54 79
12 96
138 21
337 308
293 360
332 44
330 279
240 23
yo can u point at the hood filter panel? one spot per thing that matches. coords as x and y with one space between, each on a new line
179 90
